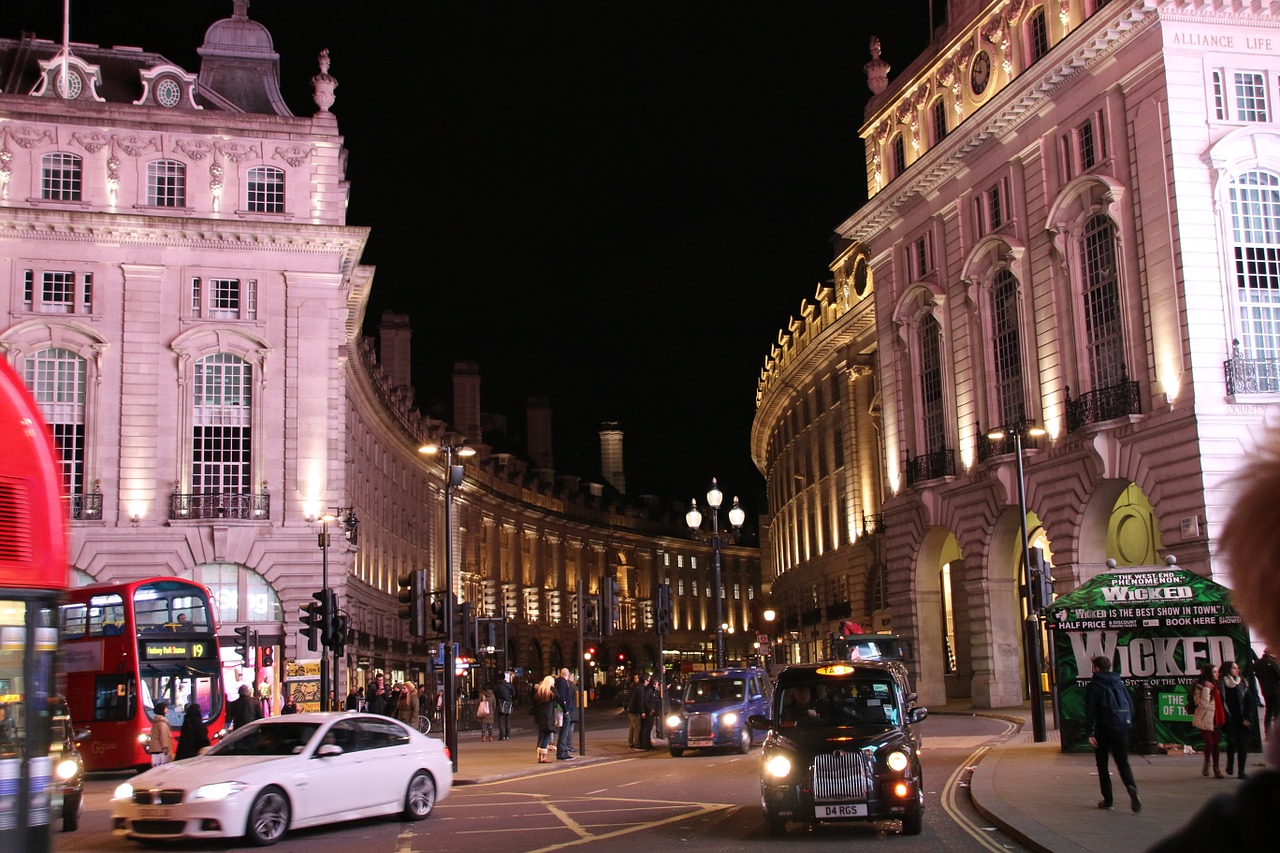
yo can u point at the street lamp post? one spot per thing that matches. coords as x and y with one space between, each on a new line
1032 640
694 519
452 479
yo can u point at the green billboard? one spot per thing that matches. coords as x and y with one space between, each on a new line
1159 625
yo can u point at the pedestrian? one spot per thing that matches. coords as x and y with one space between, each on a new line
1106 700
376 696
1239 704
245 709
1244 821
1208 717
485 713
193 736
650 712
407 712
635 712
1267 671
658 721
394 698
289 706
544 710
506 696
354 697
161 743
567 700
264 698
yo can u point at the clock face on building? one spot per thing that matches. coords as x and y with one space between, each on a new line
980 72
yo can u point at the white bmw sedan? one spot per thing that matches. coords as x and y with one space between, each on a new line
286 772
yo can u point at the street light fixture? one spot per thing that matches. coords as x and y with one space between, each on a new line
350 525
694 519
1019 430
452 479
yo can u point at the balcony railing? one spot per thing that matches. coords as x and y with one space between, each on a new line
930 466
85 507
1104 404
216 505
1251 375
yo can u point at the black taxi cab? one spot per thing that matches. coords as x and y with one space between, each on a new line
842 745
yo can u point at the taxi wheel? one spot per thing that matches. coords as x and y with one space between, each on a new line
420 799
676 752
744 741
268 817
913 823
777 826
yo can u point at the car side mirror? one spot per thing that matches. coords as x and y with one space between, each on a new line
918 714
759 721
328 749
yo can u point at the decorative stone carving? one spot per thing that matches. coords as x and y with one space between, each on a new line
294 155
92 141
324 84
195 149
877 69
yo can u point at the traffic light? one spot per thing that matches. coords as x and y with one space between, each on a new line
609 605
437 614
311 622
462 623
326 609
340 634
1041 582
662 620
242 643
591 616
413 604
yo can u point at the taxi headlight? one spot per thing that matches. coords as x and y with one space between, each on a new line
124 791
674 721
897 761
66 769
729 719
778 766
217 791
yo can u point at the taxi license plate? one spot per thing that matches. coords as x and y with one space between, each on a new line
850 810
702 741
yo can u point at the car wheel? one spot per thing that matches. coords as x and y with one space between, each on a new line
676 752
72 808
268 818
777 826
744 741
420 799
913 822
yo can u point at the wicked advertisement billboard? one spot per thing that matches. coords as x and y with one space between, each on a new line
1159 625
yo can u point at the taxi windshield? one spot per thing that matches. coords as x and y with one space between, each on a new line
839 702
715 690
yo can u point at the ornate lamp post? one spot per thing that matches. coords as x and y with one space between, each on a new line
1031 647
452 479
694 519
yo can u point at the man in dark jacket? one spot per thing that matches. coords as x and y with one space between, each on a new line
567 699
376 697
245 709
506 696
1107 735
1267 671
649 691
635 712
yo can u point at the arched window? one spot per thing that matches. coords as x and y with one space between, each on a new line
1255 239
166 183
222 425
265 188
1104 332
60 177
56 378
238 593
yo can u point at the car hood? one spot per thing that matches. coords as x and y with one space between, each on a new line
204 769
830 739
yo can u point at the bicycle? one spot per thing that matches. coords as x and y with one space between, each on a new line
424 724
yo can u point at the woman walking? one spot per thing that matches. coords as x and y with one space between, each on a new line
1208 716
484 714
544 714
1239 705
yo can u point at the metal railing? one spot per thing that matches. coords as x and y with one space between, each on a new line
216 505
84 507
1251 375
1104 404
930 466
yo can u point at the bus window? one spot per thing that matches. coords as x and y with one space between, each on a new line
112 698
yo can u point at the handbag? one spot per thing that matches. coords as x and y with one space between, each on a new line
483 709
504 706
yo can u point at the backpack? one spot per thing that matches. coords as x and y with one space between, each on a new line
1116 708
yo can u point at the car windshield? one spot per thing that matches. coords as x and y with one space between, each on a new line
839 702
715 690
266 739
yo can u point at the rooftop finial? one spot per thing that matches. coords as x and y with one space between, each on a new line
324 84
240 9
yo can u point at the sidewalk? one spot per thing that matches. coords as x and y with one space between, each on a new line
1044 798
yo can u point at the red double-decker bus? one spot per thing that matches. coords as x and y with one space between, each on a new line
127 646
33 574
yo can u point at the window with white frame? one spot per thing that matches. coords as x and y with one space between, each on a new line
920 254
1255 237
223 298
989 208
58 292
222 420
1083 148
60 177
56 378
931 398
1251 96
265 190
1104 334
166 183
1007 337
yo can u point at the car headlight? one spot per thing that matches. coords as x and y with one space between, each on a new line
66 769
674 721
778 766
897 761
729 719
124 791
217 791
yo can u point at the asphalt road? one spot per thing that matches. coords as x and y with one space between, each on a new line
640 802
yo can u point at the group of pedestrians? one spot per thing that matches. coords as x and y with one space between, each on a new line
555 711
644 704
1225 708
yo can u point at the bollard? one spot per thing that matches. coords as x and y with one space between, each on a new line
1144 721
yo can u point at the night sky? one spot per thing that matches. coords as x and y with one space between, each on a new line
618 206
